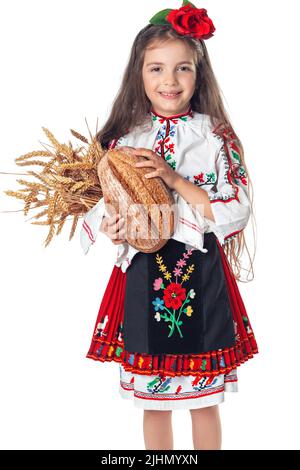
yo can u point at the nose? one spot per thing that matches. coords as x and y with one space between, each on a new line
169 79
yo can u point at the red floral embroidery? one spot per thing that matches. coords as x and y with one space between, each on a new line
170 147
199 177
174 295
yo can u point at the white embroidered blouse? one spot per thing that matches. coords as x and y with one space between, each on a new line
204 156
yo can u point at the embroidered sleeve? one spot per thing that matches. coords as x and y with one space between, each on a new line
91 224
229 196
190 226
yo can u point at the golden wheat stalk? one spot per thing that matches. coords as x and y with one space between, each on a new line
67 185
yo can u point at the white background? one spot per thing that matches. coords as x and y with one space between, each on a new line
61 62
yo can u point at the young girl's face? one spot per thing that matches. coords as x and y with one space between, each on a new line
169 67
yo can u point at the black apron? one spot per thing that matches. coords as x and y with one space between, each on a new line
187 314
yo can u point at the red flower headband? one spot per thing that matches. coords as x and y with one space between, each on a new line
188 20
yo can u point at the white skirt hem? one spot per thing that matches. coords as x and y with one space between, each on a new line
179 404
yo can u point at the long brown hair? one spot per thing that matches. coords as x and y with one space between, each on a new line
131 105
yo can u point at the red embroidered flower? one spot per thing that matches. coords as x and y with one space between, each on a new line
174 295
199 177
191 21
170 147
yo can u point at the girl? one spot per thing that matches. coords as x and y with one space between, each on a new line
174 319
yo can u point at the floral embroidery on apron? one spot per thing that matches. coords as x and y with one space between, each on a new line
174 295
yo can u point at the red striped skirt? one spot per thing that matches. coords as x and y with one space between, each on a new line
107 342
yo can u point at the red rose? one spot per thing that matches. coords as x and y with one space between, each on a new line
191 22
174 295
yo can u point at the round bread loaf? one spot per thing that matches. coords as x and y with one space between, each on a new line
145 203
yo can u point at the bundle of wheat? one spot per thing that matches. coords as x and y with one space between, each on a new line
71 182
68 184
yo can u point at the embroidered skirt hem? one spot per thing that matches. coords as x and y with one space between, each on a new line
162 393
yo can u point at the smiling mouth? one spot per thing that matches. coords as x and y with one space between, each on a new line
169 94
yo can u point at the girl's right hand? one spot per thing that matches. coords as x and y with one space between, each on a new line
113 227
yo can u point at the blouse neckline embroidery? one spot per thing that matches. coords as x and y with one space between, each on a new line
175 119
165 141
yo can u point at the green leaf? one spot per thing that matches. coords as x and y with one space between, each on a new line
236 155
186 2
159 18
179 323
166 318
211 176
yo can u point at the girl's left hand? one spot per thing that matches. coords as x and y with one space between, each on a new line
162 168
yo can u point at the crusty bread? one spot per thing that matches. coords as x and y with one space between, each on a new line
149 225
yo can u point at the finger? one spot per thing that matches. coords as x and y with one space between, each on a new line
151 175
113 219
103 225
157 172
116 227
119 235
146 163
118 242
120 224
144 152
